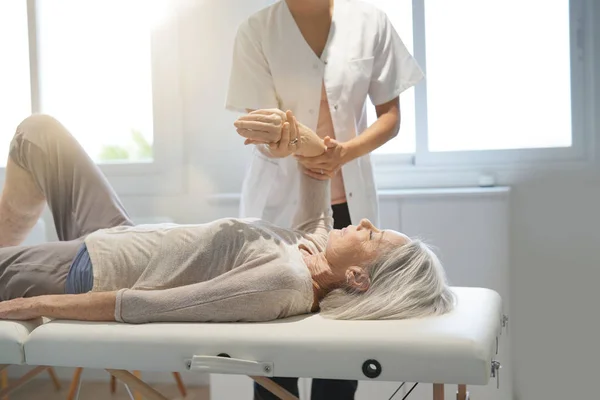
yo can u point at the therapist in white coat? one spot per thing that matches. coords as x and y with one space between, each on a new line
320 59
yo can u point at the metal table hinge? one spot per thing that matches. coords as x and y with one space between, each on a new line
496 372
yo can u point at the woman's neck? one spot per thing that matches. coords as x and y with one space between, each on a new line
308 7
323 277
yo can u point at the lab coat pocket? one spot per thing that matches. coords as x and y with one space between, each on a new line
359 73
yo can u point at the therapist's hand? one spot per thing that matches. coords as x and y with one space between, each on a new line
289 138
261 126
328 164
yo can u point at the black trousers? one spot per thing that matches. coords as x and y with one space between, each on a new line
322 389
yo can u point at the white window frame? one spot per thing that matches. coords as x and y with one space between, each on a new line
165 174
425 169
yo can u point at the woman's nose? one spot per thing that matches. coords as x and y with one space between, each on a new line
363 224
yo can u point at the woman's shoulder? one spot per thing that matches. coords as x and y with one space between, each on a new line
367 12
259 20
364 6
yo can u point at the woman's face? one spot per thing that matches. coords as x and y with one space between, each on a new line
361 244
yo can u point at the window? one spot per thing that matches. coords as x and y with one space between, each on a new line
95 75
505 87
499 80
97 66
399 13
15 92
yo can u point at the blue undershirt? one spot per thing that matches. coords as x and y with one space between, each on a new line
81 277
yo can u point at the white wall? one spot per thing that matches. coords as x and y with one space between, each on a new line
554 218
555 270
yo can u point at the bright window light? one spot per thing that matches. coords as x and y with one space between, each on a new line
15 90
400 14
498 74
95 74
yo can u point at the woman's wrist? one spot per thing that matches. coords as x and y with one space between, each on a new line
309 143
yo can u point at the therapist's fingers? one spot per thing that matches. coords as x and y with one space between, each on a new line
329 142
269 111
285 137
293 130
247 133
250 141
256 125
258 136
269 118
322 171
315 175
259 123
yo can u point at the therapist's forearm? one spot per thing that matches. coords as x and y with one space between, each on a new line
384 129
98 306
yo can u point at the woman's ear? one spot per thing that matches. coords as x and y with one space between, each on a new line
357 278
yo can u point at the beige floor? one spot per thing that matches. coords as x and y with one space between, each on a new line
44 390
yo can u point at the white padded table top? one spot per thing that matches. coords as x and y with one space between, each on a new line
13 335
455 348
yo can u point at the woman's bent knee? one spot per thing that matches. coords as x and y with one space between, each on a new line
39 126
39 130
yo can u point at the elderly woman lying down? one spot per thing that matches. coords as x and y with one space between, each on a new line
105 268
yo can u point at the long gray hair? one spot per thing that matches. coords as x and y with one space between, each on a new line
406 282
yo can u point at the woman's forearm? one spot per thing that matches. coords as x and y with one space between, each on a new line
84 307
309 143
380 132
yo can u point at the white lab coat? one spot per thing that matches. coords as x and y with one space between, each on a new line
274 67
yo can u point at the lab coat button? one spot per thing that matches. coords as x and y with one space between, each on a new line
350 194
311 111
335 107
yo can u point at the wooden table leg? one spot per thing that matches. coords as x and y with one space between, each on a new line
113 384
136 394
137 385
21 381
74 383
4 379
274 388
54 379
180 384
438 391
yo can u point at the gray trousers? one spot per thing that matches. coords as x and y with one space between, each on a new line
79 196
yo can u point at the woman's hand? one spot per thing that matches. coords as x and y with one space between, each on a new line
296 138
20 309
325 166
310 144
261 126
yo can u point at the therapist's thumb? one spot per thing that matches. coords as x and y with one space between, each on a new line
330 143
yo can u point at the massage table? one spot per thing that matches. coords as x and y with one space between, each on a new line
457 348
13 335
